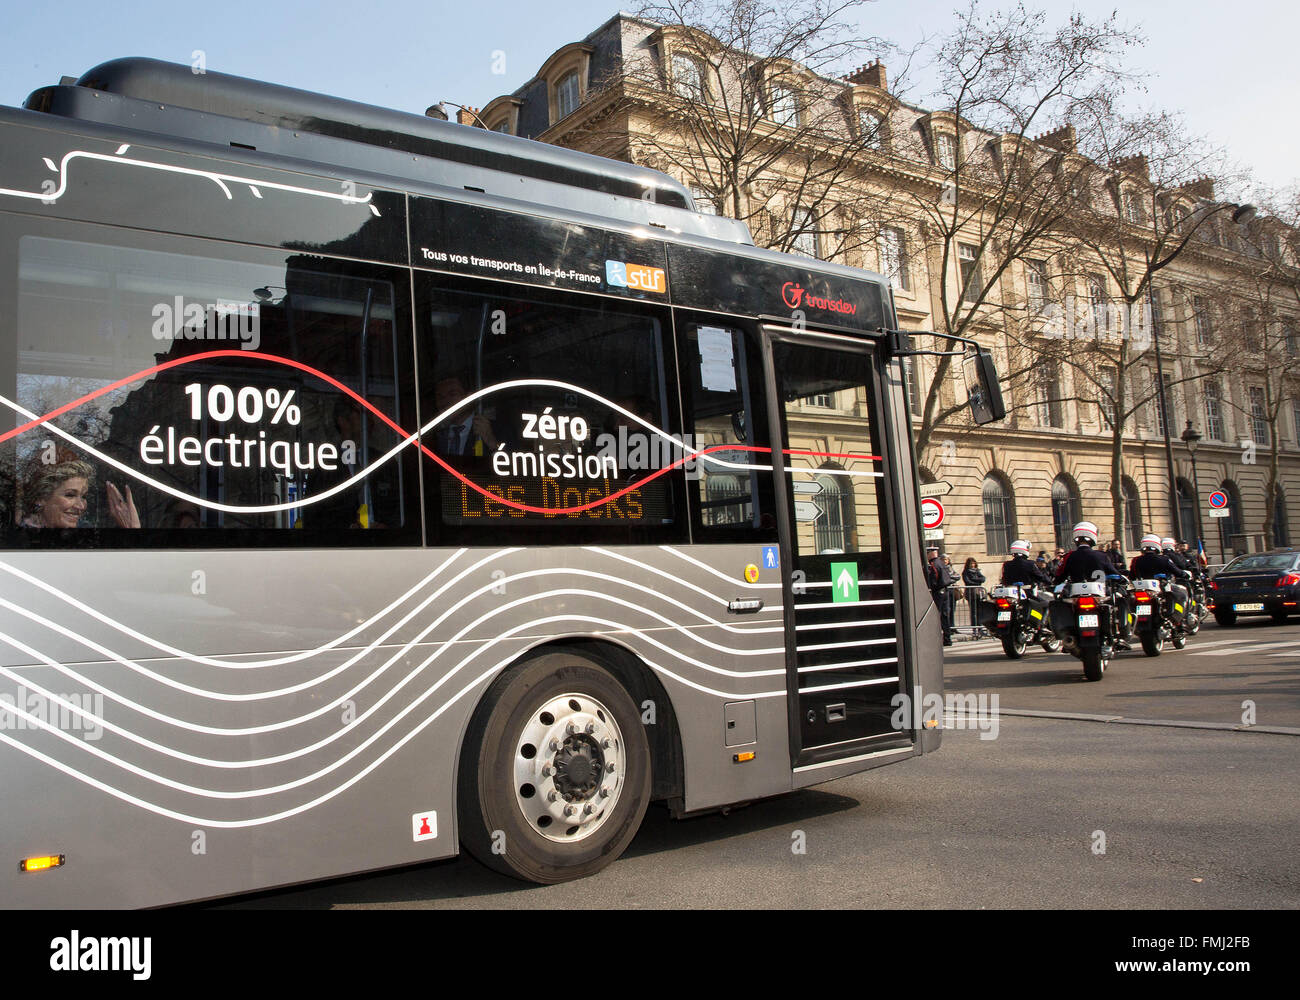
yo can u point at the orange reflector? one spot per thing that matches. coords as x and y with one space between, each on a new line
741 758
39 864
931 723
751 573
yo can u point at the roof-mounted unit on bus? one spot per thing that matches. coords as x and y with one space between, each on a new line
231 111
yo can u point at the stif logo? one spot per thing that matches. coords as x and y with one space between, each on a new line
620 274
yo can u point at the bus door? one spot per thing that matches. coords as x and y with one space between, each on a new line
843 650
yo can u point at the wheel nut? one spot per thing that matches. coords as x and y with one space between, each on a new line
571 729
547 771
604 793
588 809
609 768
591 728
606 743
555 745
569 810
553 796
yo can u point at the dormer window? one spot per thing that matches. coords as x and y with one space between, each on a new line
688 78
871 128
1133 207
784 105
567 96
945 150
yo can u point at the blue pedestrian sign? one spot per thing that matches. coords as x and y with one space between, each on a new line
771 557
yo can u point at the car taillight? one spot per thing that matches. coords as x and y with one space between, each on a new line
1213 585
1087 603
1290 580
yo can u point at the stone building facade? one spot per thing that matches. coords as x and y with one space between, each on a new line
1048 463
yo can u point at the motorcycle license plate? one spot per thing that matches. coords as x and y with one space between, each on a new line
1087 621
1248 607
1143 609
1004 616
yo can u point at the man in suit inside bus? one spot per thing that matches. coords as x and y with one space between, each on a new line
467 431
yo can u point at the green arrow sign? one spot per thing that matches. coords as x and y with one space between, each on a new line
844 582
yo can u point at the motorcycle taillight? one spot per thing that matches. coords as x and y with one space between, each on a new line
1087 603
1004 603
1142 597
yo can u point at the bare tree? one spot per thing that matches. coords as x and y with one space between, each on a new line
742 100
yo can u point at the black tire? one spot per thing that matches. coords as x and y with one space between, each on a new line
1225 617
1179 640
1279 617
1153 642
1094 664
1013 644
508 819
1052 645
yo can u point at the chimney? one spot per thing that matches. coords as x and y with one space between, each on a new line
872 75
1063 139
467 116
1136 164
435 111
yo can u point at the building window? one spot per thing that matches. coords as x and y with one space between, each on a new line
1162 397
1049 396
893 257
871 129
999 514
1295 415
914 387
1214 428
1133 207
1230 525
945 151
1204 331
1098 303
1065 510
831 531
1106 403
1258 415
703 203
826 400
1132 513
968 263
785 105
1178 217
567 95
688 78
1036 283
1289 339
804 233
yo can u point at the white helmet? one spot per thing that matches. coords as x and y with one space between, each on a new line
1085 531
1020 547
1168 543
1151 542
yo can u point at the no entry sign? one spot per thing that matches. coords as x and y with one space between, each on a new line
931 513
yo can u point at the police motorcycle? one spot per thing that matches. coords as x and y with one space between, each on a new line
1163 608
1197 609
1020 608
1090 616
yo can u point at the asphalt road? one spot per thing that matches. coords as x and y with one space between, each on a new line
1053 812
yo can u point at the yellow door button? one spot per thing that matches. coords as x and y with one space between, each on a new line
751 573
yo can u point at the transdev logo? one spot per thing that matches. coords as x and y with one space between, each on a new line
620 274
796 297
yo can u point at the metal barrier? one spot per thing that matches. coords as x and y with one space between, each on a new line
964 613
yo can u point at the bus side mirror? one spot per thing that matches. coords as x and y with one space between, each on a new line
982 388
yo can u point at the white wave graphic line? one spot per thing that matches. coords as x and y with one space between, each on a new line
718 573
384 458
219 179
136 667
330 768
707 595
217 662
338 790
346 696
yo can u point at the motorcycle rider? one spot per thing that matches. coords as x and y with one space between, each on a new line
1021 569
1153 562
1174 556
1085 564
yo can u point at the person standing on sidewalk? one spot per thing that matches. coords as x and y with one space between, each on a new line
940 579
974 581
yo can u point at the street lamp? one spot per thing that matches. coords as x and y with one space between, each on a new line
1191 438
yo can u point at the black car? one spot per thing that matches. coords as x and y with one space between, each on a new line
1257 584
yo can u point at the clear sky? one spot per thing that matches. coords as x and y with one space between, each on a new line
1231 68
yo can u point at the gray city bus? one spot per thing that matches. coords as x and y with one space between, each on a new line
372 485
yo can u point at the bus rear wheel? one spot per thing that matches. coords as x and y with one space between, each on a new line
555 771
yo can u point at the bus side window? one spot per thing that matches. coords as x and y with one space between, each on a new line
726 418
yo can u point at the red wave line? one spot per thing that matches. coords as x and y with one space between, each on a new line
487 494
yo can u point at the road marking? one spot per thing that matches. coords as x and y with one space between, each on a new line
1247 648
